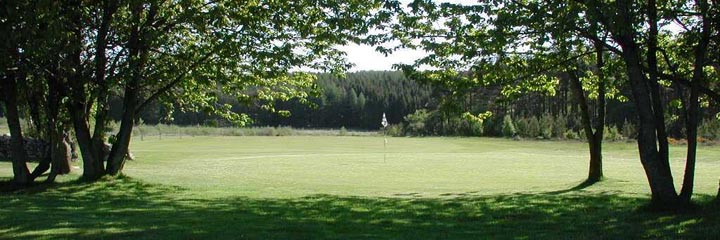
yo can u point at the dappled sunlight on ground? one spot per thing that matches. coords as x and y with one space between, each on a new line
131 209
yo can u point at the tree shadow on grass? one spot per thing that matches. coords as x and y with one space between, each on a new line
583 185
130 209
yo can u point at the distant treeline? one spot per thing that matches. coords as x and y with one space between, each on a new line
359 100
486 112
356 101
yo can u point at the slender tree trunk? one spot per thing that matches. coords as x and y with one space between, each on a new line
694 105
58 159
655 94
44 164
691 128
42 167
138 57
595 172
18 155
53 132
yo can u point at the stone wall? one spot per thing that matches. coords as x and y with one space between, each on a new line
36 149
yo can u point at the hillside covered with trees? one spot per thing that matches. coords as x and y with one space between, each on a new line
355 101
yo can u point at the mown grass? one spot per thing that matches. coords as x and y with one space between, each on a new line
341 188
297 166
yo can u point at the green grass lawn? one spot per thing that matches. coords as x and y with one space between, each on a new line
312 187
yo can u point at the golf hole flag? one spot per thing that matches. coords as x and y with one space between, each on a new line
384 121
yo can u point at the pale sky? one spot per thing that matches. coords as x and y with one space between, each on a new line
366 58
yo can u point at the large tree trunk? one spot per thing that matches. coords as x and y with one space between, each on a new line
116 160
21 174
92 167
656 166
694 106
595 172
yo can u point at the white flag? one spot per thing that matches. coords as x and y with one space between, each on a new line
384 121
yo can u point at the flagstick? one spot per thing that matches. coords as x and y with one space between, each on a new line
384 124
384 146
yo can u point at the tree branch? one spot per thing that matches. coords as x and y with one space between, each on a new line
174 82
685 82
553 66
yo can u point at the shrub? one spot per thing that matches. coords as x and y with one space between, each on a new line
416 123
574 122
629 130
570 134
395 130
475 128
474 124
533 127
287 131
521 127
559 127
266 131
422 122
508 127
546 123
493 126
454 126
612 134
709 129
343 131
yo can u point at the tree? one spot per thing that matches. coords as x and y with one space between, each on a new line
518 46
536 36
187 52
13 24
624 20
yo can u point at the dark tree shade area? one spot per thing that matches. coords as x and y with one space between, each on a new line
356 101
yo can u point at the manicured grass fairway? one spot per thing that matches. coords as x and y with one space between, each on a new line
428 167
344 188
